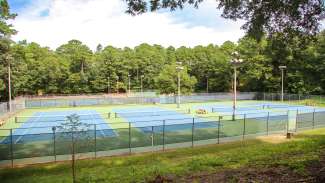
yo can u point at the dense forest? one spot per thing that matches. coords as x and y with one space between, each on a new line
73 68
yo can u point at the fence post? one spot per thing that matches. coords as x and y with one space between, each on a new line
267 123
152 139
288 121
54 142
109 115
244 130
164 135
297 118
193 132
130 138
95 139
264 96
219 129
314 118
11 149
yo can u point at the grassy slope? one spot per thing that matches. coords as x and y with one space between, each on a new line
295 154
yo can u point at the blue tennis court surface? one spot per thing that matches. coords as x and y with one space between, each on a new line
255 110
174 120
40 125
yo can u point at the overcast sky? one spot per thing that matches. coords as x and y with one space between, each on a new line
54 22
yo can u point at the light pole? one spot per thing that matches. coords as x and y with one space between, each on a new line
129 77
236 61
282 67
9 82
207 84
117 84
141 81
108 88
179 68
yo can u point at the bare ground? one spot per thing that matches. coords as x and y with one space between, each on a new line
314 173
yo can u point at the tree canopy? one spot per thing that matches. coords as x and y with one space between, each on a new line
37 69
288 17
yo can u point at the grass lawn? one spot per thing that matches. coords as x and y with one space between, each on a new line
295 155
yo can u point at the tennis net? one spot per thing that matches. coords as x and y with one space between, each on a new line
59 118
240 108
151 113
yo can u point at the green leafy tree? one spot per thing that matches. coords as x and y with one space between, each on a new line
6 31
290 17
166 81
79 58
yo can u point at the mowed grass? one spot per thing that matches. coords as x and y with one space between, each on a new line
295 154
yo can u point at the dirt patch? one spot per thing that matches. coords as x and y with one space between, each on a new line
251 174
274 139
314 173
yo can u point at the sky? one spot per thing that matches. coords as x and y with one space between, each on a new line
54 22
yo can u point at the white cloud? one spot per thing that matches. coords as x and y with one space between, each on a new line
104 21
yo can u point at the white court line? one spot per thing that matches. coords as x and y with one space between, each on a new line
101 131
29 128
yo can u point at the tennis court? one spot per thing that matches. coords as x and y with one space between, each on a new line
159 118
40 125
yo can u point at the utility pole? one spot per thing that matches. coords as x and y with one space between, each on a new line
129 77
141 78
9 82
108 87
179 68
207 84
236 61
117 84
282 67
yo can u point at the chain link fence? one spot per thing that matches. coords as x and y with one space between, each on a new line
16 105
52 145
164 99
106 100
